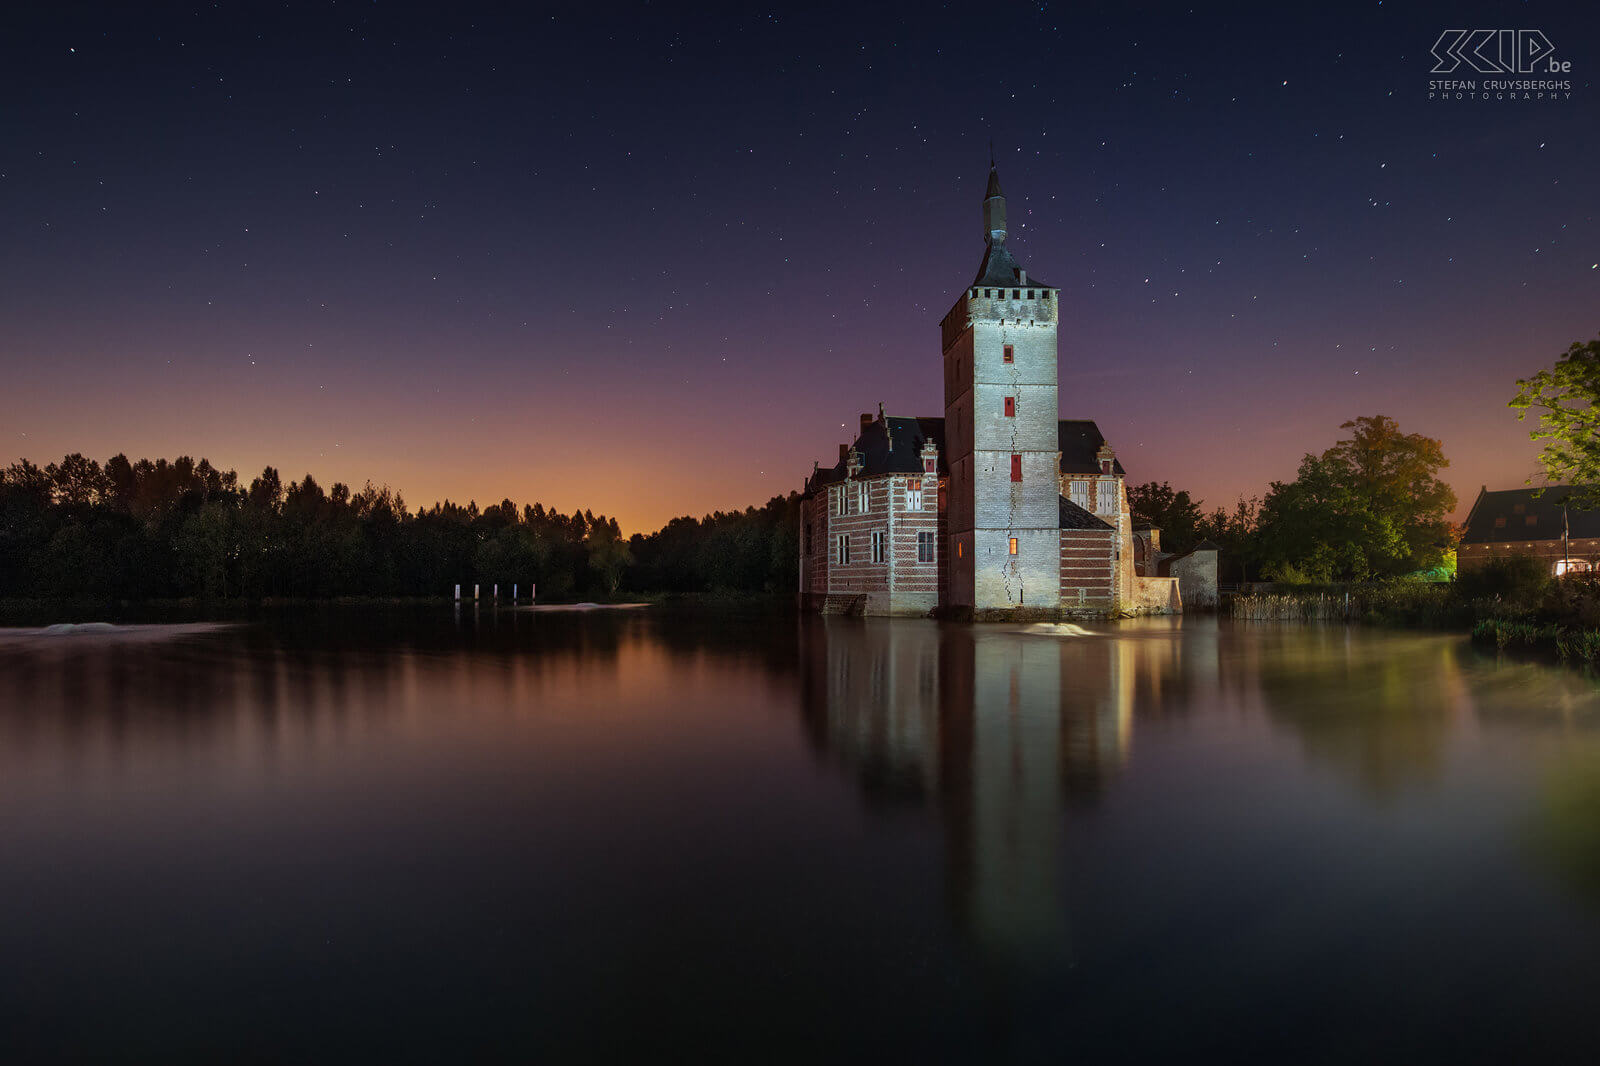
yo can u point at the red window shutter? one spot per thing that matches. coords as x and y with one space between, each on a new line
1016 468
1011 407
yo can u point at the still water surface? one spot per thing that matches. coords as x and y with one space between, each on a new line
406 837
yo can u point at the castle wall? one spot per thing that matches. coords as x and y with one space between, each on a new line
1197 578
913 584
981 441
813 576
1088 558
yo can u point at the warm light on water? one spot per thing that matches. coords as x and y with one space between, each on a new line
402 837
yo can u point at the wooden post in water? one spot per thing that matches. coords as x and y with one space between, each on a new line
474 593
458 593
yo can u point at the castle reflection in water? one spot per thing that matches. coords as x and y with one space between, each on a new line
1002 733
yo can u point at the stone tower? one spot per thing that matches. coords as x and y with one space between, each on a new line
1003 532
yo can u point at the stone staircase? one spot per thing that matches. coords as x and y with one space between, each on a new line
849 604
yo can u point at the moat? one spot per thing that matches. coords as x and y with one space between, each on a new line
417 836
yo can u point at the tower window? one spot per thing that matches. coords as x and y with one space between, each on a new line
1016 468
914 494
987 293
1030 294
924 547
844 549
1011 407
1009 355
1013 545
1016 294
877 546
961 549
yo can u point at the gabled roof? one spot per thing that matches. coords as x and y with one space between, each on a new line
891 445
1502 516
1075 517
1080 440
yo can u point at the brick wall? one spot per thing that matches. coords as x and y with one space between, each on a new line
1088 562
861 574
914 580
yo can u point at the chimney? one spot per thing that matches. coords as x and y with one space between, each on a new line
844 452
866 420
1023 275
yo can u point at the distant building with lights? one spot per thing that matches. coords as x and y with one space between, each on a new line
997 509
1531 522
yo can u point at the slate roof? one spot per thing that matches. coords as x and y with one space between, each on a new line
1164 564
1512 508
1000 267
907 436
1075 517
1079 440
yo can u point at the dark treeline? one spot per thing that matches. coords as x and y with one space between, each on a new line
183 528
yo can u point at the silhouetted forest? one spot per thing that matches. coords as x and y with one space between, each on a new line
182 528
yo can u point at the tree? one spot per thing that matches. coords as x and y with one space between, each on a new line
609 556
1370 505
1567 397
1169 510
1396 477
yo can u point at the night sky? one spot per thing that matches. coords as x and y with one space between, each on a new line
653 262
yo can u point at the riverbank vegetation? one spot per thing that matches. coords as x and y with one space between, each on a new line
1512 602
181 528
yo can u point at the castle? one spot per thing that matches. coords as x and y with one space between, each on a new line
998 509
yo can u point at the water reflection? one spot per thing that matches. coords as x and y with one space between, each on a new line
588 837
1000 731
1379 712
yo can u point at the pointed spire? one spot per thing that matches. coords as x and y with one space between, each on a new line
994 207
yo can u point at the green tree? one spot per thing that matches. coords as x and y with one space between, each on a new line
1567 397
609 556
1371 505
1395 476
1170 510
